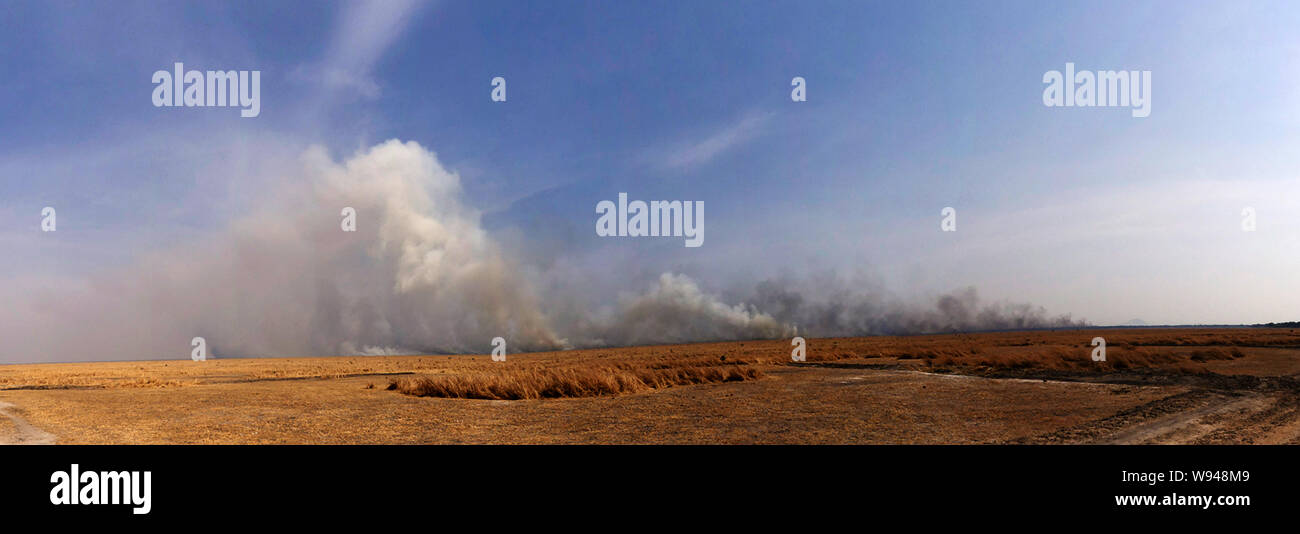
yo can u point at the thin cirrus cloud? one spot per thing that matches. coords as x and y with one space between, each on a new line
699 151
366 31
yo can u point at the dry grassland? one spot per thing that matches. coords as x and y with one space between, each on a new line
1157 385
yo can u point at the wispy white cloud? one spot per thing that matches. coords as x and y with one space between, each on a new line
367 29
700 151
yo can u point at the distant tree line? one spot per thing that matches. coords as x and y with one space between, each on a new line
1289 324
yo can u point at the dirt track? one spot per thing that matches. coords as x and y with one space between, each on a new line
19 431
1260 415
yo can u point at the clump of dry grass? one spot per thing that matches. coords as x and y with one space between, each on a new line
1040 358
1066 358
151 382
1181 350
1216 353
537 382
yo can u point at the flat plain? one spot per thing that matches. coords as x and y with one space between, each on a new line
1158 385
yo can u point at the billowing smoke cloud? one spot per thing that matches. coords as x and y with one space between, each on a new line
827 306
675 310
418 275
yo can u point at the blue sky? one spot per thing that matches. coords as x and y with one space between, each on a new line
912 106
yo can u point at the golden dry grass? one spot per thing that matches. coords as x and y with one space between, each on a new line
606 378
1219 350
178 373
852 390
1059 358
1175 350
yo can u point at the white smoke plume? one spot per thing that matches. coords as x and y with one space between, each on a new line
419 275
675 310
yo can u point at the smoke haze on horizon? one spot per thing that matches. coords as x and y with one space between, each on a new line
419 275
